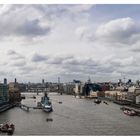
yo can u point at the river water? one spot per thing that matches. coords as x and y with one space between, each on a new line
72 117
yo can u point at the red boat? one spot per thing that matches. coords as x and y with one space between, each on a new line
129 112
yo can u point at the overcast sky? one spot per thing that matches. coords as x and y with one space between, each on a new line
69 41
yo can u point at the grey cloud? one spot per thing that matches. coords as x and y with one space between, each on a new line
136 50
118 30
81 61
19 63
27 69
38 58
135 47
108 68
11 52
37 20
16 60
81 65
105 69
122 30
90 69
32 28
26 20
14 55
58 59
78 66
71 60
29 28
124 61
3 73
129 70
22 21
63 10
84 66
69 63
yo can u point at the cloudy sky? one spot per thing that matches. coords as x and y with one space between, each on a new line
70 42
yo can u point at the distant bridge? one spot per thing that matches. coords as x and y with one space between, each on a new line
37 90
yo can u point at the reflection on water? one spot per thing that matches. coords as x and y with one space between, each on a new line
72 117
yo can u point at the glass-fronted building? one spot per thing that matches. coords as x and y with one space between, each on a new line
4 98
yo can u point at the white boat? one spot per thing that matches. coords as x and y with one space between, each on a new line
129 112
47 108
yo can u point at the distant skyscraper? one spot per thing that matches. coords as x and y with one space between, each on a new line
15 80
5 81
58 79
4 92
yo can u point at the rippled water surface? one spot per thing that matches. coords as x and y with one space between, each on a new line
72 117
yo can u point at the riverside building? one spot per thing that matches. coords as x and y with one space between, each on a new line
4 98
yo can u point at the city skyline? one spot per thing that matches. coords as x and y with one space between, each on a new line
69 41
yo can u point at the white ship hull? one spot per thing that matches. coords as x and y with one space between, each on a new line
47 108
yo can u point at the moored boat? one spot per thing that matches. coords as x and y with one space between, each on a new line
46 104
97 101
47 108
129 112
7 128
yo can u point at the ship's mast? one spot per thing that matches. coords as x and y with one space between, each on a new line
45 92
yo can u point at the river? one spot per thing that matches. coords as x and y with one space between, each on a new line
72 117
